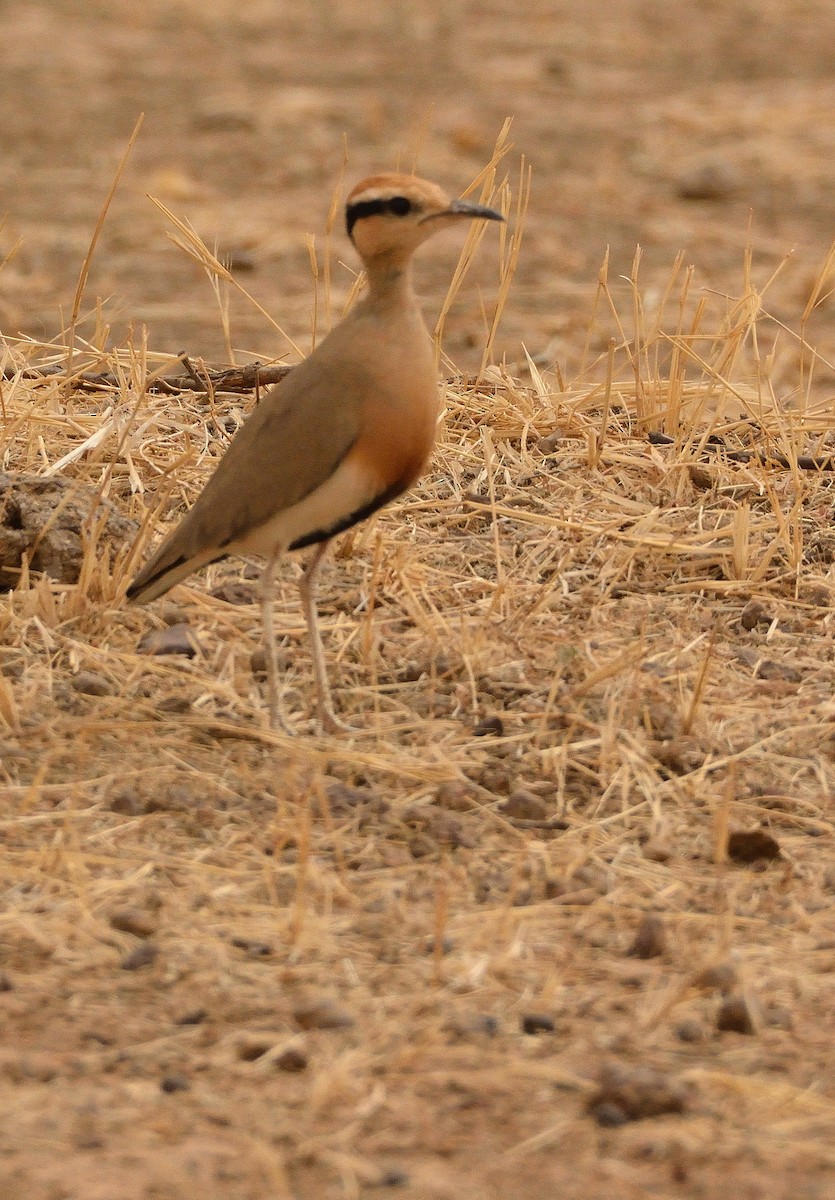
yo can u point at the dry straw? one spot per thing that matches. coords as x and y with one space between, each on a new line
622 562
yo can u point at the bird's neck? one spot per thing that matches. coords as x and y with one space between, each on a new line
389 282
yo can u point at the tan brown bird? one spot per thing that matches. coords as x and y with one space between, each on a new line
349 429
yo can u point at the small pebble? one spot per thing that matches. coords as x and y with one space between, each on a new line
323 1013
769 669
194 1016
638 1093
700 478
489 727
174 639
657 850
393 1177
141 956
719 977
753 615
6 984
713 180
252 1045
467 1025
689 1030
90 683
533 1023
253 948
234 591
174 1083
292 1060
734 1016
650 939
523 805
133 920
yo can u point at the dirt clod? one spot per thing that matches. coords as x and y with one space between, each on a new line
637 1093
752 845
47 520
734 1015
142 955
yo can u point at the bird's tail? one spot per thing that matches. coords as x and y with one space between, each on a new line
167 567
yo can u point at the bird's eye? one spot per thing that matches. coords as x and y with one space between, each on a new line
399 205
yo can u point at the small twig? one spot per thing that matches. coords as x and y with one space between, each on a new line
223 379
806 462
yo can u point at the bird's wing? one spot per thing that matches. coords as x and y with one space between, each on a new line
293 442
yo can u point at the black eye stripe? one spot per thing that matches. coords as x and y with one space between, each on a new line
399 206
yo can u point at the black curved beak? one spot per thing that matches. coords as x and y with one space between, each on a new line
463 208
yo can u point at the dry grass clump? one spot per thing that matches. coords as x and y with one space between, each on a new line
581 658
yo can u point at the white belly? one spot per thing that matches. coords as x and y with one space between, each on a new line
349 488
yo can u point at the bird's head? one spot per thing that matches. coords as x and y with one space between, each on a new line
390 215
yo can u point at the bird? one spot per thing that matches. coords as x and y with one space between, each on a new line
348 430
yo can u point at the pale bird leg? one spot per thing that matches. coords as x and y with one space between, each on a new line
327 718
277 718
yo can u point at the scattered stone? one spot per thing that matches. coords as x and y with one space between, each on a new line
174 1083
6 984
752 845
778 1016
90 683
253 947
711 180
608 1115
636 1093
718 977
689 1030
253 1044
468 1025
194 1016
292 1060
173 704
392 1176
489 727
657 850
323 1013
234 591
142 955
455 796
128 802
223 119
133 920
753 615
769 669
523 805
650 938
535 1022
700 478
819 595
174 639
734 1016
45 520
549 443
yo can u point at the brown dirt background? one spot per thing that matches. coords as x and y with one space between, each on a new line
376 886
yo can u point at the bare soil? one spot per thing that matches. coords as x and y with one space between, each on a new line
557 920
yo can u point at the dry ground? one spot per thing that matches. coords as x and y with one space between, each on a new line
507 940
